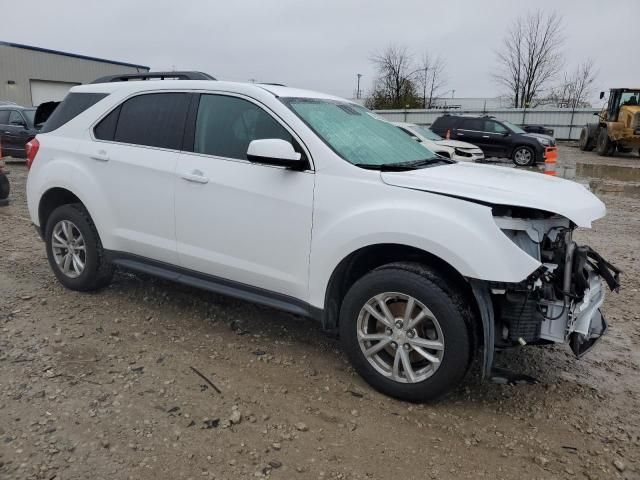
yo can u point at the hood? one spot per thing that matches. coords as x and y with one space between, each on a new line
552 141
504 186
457 144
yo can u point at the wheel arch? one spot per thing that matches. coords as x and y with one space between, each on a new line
365 259
53 198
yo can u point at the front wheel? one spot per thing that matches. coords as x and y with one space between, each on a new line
404 334
524 156
605 146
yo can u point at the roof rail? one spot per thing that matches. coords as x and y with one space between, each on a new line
125 77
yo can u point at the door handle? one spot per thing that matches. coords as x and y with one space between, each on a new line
485 136
195 176
101 156
460 134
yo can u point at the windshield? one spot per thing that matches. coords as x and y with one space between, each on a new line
630 98
426 133
30 116
513 128
358 135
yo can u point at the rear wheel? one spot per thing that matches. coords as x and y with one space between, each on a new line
74 249
524 156
405 335
605 146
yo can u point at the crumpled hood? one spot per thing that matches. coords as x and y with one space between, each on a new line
504 186
457 144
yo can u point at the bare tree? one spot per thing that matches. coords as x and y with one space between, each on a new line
396 76
434 78
575 88
530 56
581 84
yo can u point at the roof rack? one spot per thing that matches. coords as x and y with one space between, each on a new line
125 77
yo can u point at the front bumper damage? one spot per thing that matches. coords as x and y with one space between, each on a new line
559 303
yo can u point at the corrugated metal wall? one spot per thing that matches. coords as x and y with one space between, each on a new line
565 123
21 65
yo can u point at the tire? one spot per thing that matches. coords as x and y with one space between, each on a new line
5 187
604 146
586 142
523 156
96 271
394 285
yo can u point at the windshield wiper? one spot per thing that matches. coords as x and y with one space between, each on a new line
404 166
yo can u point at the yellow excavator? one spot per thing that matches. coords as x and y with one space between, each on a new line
618 126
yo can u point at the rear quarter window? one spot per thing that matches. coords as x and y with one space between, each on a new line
72 106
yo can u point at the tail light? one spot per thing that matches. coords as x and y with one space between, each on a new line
32 150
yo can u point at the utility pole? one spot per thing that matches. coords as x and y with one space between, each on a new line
358 88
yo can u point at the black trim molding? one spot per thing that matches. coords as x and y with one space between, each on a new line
214 284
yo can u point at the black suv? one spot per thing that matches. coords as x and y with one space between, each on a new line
16 129
496 138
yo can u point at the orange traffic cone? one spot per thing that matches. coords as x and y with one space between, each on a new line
550 160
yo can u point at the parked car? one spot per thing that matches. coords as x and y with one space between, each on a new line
16 129
453 149
496 138
313 205
5 186
538 129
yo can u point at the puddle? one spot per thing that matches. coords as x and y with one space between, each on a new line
608 172
599 178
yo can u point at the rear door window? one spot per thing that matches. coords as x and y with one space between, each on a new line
475 124
4 117
72 106
153 120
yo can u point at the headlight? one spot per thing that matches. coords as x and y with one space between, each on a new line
462 153
544 141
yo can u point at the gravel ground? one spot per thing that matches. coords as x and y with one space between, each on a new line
103 385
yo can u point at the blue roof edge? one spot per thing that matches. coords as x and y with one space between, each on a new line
72 55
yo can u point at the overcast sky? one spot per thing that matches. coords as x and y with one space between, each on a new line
321 45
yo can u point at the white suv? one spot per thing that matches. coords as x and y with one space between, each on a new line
455 149
310 204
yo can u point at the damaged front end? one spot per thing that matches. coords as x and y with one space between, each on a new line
559 302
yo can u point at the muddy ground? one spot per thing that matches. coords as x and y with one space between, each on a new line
101 385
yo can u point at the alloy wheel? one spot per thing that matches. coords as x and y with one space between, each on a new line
400 337
69 249
522 156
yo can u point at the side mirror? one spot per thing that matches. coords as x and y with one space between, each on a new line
601 95
274 151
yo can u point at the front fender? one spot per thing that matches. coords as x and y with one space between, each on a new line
461 233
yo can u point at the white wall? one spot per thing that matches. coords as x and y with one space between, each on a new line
565 123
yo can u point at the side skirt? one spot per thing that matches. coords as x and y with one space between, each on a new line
214 284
